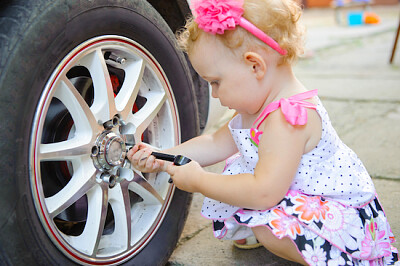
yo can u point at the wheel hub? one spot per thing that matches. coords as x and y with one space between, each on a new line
109 151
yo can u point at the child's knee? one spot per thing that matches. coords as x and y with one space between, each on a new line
266 237
284 247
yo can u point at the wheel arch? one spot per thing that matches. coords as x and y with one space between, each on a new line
175 12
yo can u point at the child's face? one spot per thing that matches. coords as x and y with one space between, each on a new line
232 80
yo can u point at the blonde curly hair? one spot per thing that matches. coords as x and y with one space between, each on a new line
277 18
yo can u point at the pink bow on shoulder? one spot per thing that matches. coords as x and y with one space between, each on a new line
293 108
295 111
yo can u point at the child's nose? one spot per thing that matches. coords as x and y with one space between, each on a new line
214 93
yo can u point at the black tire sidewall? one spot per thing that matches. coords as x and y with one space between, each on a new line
56 28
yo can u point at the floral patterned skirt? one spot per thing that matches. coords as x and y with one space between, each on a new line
324 231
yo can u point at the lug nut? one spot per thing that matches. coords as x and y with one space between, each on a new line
108 124
114 122
110 179
129 139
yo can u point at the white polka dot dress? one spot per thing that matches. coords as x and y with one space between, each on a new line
328 212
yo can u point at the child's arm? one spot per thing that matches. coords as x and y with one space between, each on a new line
204 149
208 149
280 150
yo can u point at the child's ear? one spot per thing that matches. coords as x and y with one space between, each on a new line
256 61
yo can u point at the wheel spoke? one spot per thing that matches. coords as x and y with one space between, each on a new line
143 118
103 106
120 203
88 241
64 150
81 182
145 190
130 88
84 120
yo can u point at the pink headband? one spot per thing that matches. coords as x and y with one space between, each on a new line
216 16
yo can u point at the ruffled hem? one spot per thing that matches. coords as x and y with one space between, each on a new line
324 231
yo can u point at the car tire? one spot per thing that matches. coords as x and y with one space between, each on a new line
40 39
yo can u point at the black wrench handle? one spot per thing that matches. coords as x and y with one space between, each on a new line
176 159
164 156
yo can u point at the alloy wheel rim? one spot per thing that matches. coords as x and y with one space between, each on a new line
101 210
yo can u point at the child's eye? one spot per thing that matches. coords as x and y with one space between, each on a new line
214 83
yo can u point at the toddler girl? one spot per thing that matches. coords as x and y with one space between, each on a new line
289 179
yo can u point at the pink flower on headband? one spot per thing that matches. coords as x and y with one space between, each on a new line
216 16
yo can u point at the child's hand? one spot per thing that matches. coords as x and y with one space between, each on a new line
142 160
186 177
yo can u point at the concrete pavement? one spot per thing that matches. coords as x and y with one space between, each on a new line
361 91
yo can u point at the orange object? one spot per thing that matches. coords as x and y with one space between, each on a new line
371 18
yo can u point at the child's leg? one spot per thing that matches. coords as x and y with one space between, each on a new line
283 248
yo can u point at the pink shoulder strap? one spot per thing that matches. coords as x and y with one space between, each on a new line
293 108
